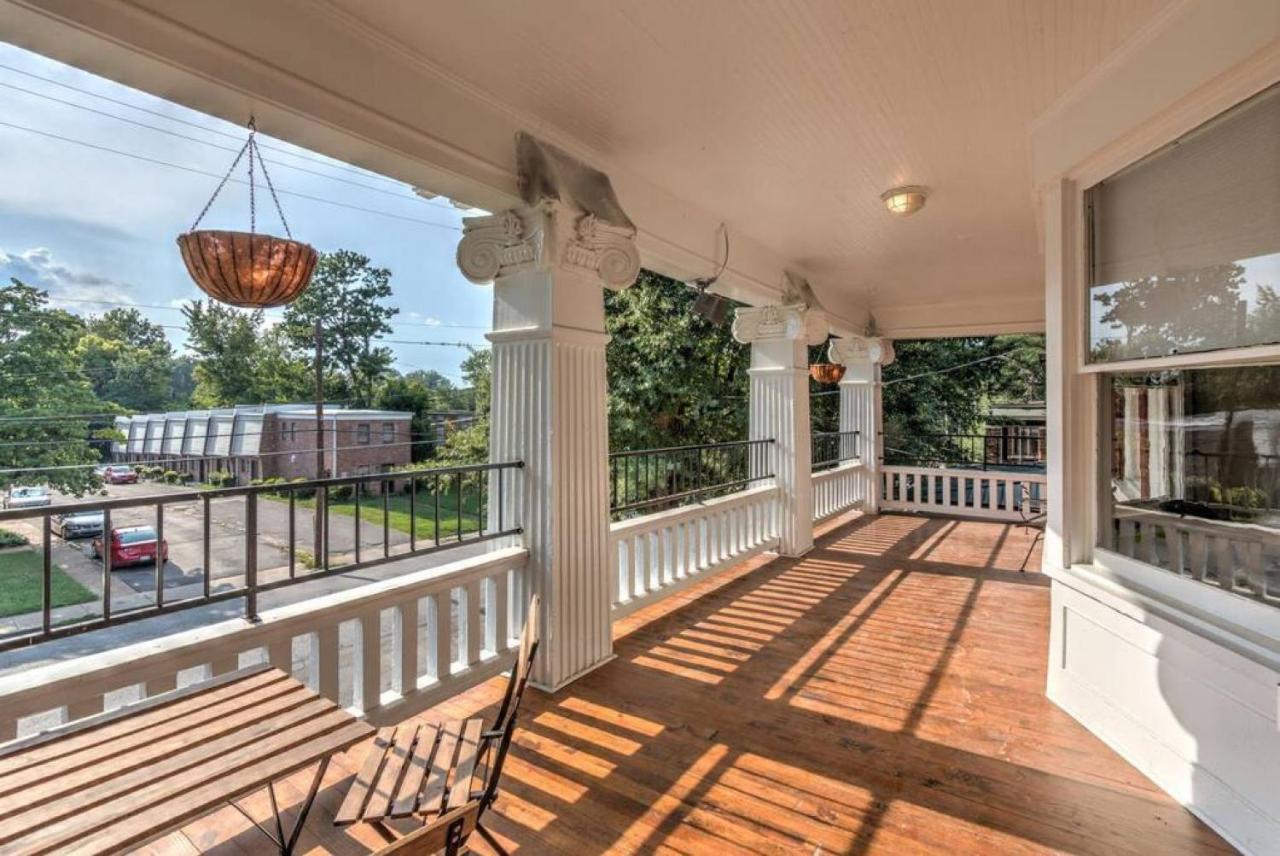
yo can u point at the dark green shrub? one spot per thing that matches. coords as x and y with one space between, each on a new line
9 538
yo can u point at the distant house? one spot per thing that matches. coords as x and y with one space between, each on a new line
1016 433
266 441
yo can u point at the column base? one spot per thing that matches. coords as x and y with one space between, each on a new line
564 682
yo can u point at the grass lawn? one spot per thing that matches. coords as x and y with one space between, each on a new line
20 584
399 519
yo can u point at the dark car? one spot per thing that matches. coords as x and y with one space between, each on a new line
132 545
79 524
119 475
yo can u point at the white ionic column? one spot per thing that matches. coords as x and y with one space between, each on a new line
861 408
779 337
548 263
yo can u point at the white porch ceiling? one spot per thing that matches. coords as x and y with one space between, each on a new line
784 118
791 118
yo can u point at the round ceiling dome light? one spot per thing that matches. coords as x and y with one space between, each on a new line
904 200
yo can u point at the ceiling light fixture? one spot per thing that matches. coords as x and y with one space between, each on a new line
904 200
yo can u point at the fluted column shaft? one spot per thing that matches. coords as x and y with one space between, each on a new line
548 264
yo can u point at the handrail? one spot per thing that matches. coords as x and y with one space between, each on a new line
671 475
829 448
488 485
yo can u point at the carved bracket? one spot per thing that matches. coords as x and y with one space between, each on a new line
793 321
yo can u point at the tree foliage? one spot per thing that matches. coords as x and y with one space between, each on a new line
48 407
674 377
946 386
346 296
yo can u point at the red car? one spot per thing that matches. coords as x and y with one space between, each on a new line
132 545
119 475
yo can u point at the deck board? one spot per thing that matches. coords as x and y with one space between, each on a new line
884 694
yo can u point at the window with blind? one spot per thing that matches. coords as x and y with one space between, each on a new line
1185 244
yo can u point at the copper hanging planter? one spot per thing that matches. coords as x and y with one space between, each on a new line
826 372
247 269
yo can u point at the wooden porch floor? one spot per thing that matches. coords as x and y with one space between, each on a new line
884 694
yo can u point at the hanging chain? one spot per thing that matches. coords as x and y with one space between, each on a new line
271 187
221 184
253 147
250 146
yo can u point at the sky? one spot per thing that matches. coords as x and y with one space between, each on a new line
95 224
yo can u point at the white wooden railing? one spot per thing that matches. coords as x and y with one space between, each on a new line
839 489
963 493
363 643
1235 556
658 554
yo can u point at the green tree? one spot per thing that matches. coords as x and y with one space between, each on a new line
129 361
347 295
48 408
412 394
674 377
238 360
946 386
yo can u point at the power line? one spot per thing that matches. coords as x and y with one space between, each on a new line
238 138
196 171
219 146
160 306
1006 355
307 421
229 455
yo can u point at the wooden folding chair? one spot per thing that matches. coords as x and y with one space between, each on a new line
423 769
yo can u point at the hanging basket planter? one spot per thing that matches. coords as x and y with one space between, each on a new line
247 269
244 269
826 372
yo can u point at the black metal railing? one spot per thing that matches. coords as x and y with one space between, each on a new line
393 515
832 448
1002 448
676 475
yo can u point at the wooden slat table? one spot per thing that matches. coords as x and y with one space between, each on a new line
120 779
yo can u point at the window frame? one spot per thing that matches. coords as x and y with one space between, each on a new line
1072 557
364 434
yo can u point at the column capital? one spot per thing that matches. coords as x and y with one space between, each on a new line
535 237
858 349
793 322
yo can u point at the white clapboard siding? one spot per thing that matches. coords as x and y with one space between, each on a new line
839 489
457 654
658 554
963 493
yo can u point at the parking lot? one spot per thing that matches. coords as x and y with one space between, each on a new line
184 534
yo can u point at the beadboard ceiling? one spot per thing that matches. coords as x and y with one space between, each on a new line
790 117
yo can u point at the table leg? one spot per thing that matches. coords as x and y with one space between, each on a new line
287 845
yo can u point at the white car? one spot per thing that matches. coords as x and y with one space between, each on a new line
27 497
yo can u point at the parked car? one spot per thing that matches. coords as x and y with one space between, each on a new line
27 497
79 524
119 475
132 545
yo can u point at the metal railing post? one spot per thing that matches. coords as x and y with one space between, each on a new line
251 556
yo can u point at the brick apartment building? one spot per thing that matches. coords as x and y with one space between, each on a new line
266 441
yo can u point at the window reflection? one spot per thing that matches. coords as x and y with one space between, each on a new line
1194 462
1220 306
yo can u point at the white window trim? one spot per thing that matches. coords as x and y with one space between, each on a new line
1243 625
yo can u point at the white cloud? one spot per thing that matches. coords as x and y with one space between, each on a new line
79 291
